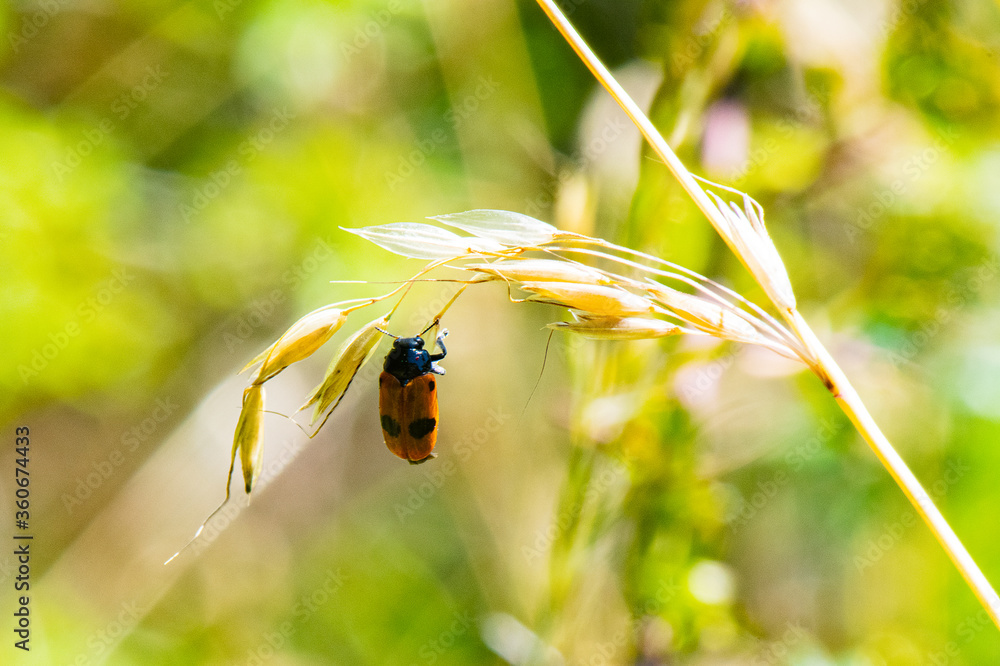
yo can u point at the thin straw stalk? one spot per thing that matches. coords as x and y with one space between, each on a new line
824 365
636 115
850 402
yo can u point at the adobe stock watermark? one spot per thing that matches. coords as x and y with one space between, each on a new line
104 469
809 111
369 373
967 630
429 308
794 461
241 327
248 151
307 605
897 12
225 7
893 531
698 41
708 375
544 538
778 651
960 294
432 650
34 22
568 8
289 451
436 476
122 107
454 118
913 169
102 642
88 310
608 653
594 148
371 30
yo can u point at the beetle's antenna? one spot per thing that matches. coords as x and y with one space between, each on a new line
433 324
538 381
396 337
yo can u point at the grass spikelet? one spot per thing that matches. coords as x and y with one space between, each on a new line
705 315
594 299
745 232
617 328
299 342
502 226
352 356
249 438
541 270
424 241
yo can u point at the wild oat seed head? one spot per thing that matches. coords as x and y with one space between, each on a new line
595 299
424 241
541 270
351 357
746 233
502 226
249 437
617 328
300 341
706 315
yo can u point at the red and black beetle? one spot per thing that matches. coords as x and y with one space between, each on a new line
407 397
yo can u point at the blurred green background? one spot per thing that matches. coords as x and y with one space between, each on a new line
172 179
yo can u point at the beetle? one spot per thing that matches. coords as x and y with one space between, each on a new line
407 397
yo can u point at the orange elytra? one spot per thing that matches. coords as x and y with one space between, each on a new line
407 397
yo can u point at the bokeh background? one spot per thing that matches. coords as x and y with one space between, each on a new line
173 176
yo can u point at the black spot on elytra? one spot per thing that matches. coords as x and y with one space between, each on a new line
430 385
422 427
391 426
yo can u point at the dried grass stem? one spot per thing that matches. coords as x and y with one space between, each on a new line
757 254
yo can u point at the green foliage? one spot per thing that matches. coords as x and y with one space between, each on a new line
172 183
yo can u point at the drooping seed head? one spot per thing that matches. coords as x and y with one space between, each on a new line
747 235
424 241
704 314
351 357
300 341
541 270
617 328
249 437
594 299
502 226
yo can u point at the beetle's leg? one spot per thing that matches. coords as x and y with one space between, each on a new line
440 344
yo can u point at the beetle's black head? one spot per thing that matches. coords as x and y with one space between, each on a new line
408 359
416 342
